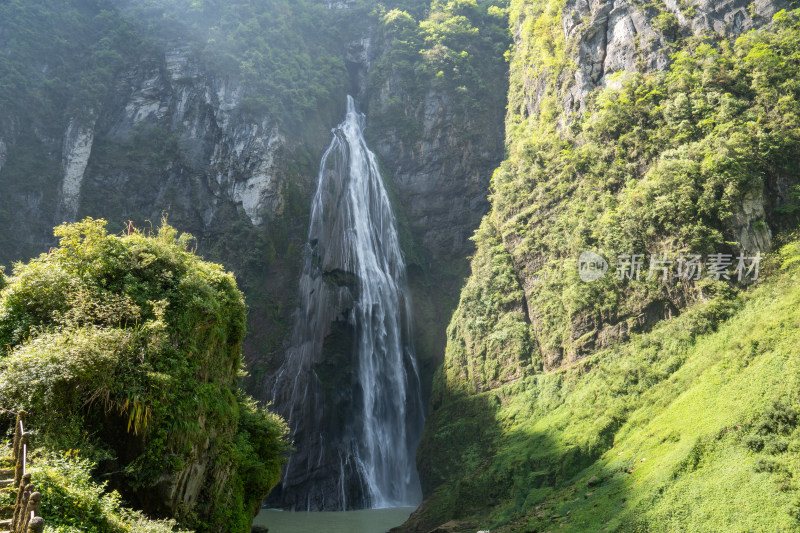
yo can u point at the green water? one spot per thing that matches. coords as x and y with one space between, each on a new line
369 521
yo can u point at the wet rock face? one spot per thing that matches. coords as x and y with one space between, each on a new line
437 155
78 142
442 175
349 386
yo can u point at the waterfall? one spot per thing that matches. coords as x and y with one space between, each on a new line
349 385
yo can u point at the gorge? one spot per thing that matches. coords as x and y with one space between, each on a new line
416 312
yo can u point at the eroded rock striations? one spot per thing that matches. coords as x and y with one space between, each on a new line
607 38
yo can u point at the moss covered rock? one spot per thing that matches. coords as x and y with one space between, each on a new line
128 347
550 380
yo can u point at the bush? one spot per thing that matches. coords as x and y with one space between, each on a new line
128 348
73 503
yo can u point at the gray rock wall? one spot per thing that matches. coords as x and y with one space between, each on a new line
227 157
611 36
172 139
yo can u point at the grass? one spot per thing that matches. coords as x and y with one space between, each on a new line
687 428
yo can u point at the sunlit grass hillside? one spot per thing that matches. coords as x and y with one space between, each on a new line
691 427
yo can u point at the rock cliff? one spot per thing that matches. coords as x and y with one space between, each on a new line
437 169
172 128
597 46
620 141
627 36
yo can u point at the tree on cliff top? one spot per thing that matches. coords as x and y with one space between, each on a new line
128 348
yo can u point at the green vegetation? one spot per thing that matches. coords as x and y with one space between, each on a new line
289 54
690 427
60 58
128 349
75 503
662 164
454 47
540 55
627 405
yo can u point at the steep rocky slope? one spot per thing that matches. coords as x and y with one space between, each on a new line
162 108
436 90
632 129
134 119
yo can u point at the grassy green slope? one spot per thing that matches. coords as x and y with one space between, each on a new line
691 427
711 446
546 383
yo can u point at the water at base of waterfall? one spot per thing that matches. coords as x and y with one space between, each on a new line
368 521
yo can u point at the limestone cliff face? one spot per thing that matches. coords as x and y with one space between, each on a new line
438 155
524 310
212 156
443 174
77 150
174 137
602 44
222 156
604 38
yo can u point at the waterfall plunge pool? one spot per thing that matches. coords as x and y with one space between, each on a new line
367 521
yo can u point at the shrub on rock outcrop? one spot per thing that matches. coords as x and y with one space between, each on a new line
128 347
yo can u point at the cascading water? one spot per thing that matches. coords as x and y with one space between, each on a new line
349 385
